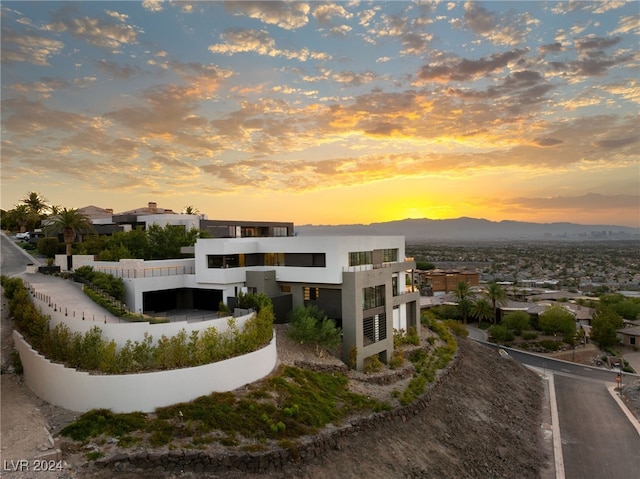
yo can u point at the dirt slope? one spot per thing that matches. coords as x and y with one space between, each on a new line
486 421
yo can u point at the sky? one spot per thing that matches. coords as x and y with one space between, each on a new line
326 112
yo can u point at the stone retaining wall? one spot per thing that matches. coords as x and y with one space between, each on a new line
276 459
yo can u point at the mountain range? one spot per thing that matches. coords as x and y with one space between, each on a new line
474 229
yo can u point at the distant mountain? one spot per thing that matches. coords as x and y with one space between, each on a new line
473 229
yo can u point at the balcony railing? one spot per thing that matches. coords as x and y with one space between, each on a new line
155 272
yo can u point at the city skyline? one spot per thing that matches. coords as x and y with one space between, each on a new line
326 113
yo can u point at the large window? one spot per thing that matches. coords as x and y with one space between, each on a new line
274 259
358 258
280 231
390 255
372 297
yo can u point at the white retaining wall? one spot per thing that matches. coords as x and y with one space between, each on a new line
81 391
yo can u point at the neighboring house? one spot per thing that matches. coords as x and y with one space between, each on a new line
358 281
106 222
444 281
630 336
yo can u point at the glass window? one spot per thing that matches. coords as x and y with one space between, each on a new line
373 297
274 259
390 255
357 258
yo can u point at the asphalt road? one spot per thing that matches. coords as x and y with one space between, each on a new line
13 259
598 440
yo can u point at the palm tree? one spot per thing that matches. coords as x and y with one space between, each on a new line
23 217
481 310
190 210
69 223
35 202
463 294
498 297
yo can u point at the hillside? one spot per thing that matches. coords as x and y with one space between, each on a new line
472 229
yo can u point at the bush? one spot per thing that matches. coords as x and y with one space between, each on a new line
372 364
48 247
500 334
309 325
457 328
529 335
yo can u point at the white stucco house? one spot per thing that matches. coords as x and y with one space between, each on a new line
357 280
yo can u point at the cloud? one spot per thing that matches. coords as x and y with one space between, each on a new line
597 43
508 29
465 70
325 12
259 42
286 15
354 79
547 142
100 32
28 47
589 201
117 71
555 47
152 5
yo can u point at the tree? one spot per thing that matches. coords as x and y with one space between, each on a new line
481 310
69 222
516 321
603 327
35 202
165 243
498 297
463 294
25 218
424 265
556 320
190 210
309 324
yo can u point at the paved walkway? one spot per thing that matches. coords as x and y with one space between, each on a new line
64 295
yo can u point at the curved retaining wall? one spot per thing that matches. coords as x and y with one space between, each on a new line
81 391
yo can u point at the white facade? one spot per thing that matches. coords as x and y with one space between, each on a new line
335 273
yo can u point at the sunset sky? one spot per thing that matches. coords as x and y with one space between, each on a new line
326 113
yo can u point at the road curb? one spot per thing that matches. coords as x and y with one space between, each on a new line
625 409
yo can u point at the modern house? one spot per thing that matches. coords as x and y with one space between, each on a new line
361 282
106 222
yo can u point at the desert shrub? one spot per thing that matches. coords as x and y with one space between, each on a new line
372 364
309 325
397 360
456 327
500 334
529 335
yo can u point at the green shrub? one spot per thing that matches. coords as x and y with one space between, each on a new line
457 327
529 335
372 364
48 247
309 325
397 360
500 334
